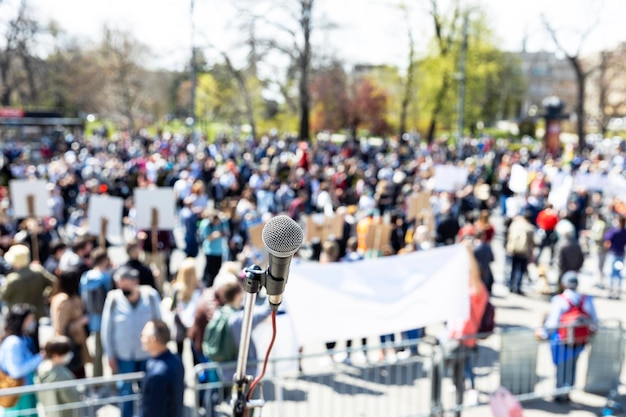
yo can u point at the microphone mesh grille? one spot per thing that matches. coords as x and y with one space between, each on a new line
282 236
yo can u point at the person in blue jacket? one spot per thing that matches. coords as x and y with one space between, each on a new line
18 357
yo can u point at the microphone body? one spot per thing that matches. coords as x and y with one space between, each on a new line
283 237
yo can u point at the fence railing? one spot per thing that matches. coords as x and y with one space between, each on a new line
424 378
440 380
95 393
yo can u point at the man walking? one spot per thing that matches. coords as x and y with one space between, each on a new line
164 383
519 246
28 282
126 311
567 252
547 220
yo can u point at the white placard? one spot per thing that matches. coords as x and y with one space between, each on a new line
160 198
559 195
449 178
105 207
518 183
21 189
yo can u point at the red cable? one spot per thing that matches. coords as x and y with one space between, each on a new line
267 357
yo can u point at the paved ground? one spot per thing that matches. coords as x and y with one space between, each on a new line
530 310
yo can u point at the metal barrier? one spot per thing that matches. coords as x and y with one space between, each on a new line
96 393
323 386
436 382
533 369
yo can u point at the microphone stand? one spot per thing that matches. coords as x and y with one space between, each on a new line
255 278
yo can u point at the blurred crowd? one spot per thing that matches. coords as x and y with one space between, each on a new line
225 188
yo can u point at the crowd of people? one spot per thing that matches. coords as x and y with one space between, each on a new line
224 189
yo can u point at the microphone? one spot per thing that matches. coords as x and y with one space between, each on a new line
282 237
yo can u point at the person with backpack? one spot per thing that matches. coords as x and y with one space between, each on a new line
569 326
519 246
211 300
94 286
223 333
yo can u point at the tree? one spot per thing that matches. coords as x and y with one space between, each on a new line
367 108
492 79
245 92
291 26
409 80
446 34
18 65
72 81
582 73
125 75
217 96
611 82
329 99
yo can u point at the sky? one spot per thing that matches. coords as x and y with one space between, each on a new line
366 31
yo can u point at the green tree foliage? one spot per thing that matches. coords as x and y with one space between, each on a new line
275 87
494 85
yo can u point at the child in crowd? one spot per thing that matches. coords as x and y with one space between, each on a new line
54 369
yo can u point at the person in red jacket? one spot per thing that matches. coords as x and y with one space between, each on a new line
546 223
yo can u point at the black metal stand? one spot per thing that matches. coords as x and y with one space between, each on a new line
255 279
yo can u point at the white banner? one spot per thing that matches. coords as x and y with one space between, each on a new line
340 301
591 182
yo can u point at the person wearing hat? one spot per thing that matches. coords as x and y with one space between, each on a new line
564 354
29 283
567 252
126 311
